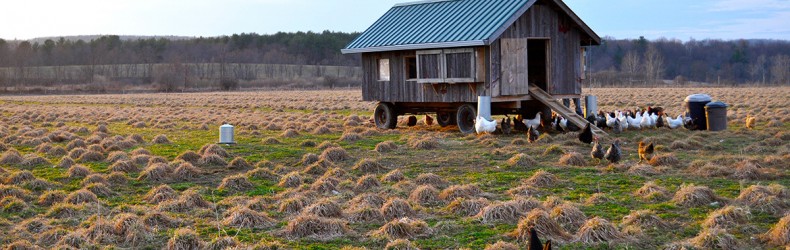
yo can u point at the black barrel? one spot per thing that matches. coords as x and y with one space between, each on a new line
695 109
717 116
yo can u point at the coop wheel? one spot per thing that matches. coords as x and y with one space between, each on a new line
466 118
385 116
445 119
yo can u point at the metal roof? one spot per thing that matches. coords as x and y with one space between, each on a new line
443 24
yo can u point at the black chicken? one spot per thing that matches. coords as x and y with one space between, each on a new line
557 125
518 124
614 154
618 127
534 241
587 135
532 135
412 121
660 121
506 126
597 151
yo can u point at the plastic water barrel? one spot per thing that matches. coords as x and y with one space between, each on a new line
226 134
716 112
484 107
695 107
590 105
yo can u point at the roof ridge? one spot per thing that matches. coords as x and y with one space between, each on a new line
421 2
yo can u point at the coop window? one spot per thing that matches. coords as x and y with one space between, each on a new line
583 63
384 69
446 66
410 68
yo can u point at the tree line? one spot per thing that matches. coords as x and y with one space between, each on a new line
640 62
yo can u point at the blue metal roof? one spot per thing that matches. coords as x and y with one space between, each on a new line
436 24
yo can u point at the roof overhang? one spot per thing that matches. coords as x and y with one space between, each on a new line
416 47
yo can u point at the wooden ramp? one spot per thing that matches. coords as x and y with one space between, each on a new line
566 112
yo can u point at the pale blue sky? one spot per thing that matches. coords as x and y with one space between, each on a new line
681 19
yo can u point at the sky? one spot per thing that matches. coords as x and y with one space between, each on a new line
622 19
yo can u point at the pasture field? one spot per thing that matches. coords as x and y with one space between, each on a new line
310 171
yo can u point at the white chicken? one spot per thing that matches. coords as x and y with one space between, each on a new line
646 122
635 122
610 120
675 123
564 123
623 120
482 125
534 123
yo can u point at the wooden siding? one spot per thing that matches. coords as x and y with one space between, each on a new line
514 67
398 89
541 21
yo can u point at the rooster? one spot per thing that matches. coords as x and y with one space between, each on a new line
614 154
506 126
675 123
534 122
532 135
645 152
428 120
587 135
597 151
750 121
482 125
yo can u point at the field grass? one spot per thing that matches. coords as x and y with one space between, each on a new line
310 171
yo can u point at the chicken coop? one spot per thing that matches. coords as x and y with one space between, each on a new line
438 56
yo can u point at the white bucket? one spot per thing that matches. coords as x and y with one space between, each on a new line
226 134
484 107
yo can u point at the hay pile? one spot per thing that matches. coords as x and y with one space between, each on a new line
667 160
324 208
48 198
156 173
547 228
403 228
690 195
396 208
291 180
727 217
334 154
771 199
184 239
292 205
369 166
386 146
499 212
186 171
236 183
189 156
715 238
364 214
541 179
430 179
779 235
426 143
79 171
467 207
239 163
242 217
644 220
652 192
460 191
317 228
521 161
598 230
159 194
393 176
569 216
400 244
81 196
425 195
573 159
501 245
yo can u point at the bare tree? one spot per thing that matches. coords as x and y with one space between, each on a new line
759 69
654 65
630 66
780 69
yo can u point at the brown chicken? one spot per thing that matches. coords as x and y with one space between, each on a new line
750 121
645 152
428 120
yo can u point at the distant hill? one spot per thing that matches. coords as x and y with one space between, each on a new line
94 37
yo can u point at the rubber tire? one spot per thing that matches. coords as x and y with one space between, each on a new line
445 119
466 116
385 116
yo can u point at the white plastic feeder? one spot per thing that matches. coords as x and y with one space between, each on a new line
226 134
484 107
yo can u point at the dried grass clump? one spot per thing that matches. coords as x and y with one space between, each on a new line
160 139
66 162
467 207
366 183
779 235
502 245
264 174
400 244
322 130
81 196
242 217
79 171
11 158
598 230
21 245
521 161
727 217
158 219
185 239
324 208
325 185
569 216
12 204
317 228
155 173
213 149
748 171
186 171
32 160
541 179
430 179
225 242
393 176
91 156
667 160
308 159
334 154
652 191
644 220
350 137
327 144
317 168
690 195
771 199
131 229
124 166
159 194
76 153
396 208
715 238
573 159
292 205
117 156
525 190
710 169
269 245
291 180
94 178
367 199
543 224
20 177
643 170
425 195
236 183
239 163
403 228
423 143
189 199
289 133
189 156
369 166
212 160
99 189
386 146
50 197
499 212
364 214
460 191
